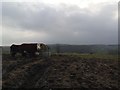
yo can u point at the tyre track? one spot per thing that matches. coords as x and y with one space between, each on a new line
14 65
33 82
22 74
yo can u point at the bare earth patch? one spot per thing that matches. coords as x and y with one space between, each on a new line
62 71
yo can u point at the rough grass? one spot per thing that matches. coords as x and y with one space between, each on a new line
78 55
89 56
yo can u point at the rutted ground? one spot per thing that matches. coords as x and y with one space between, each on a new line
59 72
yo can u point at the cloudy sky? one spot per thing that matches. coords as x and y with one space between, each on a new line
59 21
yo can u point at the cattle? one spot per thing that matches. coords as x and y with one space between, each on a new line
28 49
14 49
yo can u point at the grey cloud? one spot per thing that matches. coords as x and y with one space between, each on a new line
69 24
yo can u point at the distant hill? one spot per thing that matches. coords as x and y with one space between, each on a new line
65 48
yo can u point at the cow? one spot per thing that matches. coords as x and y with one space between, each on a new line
28 49
14 49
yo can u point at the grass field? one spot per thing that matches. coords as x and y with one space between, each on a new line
90 56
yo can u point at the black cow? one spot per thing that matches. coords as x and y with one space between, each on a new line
14 49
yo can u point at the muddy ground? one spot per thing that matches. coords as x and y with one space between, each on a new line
59 71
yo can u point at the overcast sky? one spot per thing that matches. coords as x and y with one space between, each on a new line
60 21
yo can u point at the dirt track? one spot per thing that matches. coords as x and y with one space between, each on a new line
59 72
